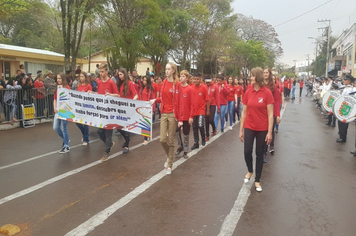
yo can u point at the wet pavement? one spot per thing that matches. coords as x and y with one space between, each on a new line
308 185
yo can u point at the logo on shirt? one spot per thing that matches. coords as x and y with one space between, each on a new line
213 90
260 100
200 94
171 90
185 95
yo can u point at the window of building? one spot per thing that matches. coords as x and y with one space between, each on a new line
34 67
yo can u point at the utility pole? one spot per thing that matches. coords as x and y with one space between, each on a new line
308 66
327 49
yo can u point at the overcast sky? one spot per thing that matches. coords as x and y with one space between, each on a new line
294 34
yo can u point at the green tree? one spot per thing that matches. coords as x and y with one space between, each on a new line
9 7
248 55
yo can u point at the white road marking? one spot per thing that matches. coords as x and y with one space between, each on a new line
62 176
231 220
98 219
40 156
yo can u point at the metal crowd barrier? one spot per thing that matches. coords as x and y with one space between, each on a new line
12 100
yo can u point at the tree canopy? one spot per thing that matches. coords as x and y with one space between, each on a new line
199 35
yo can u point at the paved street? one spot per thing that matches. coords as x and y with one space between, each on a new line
308 185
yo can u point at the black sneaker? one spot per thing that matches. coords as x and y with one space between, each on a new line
179 150
203 142
64 150
195 146
271 150
185 155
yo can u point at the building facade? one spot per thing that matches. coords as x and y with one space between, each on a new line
99 57
11 57
343 53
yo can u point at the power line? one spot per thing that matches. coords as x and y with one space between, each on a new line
303 14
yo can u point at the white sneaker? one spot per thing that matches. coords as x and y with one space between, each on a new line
169 171
145 142
230 128
166 165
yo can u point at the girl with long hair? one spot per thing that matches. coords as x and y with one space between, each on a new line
59 125
84 86
231 100
271 85
256 123
147 93
126 90
170 109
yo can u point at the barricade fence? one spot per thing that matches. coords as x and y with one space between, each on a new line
11 101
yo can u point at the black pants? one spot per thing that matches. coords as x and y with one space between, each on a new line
126 136
300 92
237 111
209 120
106 136
250 136
50 111
343 129
186 130
285 92
198 124
331 119
273 134
40 105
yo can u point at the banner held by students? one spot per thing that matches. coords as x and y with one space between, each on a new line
105 111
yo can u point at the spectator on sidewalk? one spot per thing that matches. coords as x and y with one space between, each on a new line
40 95
50 86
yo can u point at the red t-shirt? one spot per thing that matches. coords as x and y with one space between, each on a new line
107 87
256 102
146 96
301 83
40 88
239 91
155 87
84 88
201 96
214 97
131 93
285 83
223 93
231 96
187 97
55 96
167 97
159 87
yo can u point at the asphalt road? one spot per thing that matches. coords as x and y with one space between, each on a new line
308 185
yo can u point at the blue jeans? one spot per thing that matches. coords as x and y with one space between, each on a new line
60 126
293 92
230 109
221 115
85 132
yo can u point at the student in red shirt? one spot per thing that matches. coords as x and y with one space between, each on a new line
301 84
40 95
127 90
223 93
158 94
256 123
106 87
279 84
59 125
239 91
170 109
147 93
155 88
274 87
214 98
201 109
231 100
84 86
186 115
285 85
